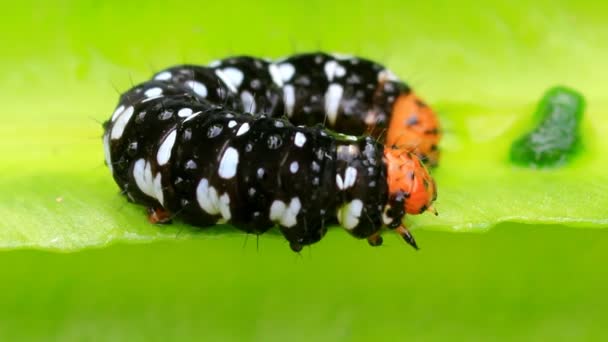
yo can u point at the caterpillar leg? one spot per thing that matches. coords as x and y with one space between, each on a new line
295 246
407 236
303 234
158 215
375 239
297 242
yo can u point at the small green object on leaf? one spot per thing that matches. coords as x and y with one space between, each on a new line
556 138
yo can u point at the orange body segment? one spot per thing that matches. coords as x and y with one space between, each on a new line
407 174
414 127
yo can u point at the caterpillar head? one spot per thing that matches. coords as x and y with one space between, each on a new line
415 128
408 176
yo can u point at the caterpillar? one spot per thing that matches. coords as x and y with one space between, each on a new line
302 143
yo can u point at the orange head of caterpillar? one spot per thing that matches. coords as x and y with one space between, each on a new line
407 176
415 128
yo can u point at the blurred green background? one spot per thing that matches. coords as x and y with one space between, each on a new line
67 274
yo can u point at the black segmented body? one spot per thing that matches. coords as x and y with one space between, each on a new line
347 94
184 141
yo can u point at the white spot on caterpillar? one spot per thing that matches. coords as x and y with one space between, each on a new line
287 71
229 163
158 189
121 123
350 176
339 182
225 80
243 129
164 151
371 118
225 207
289 98
294 167
107 153
146 182
275 73
333 96
347 151
197 87
191 116
117 112
348 214
330 69
153 92
234 75
340 71
215 63
163 76
184 112
283 214
300 139
385 218
248 102
231 123
333 69
277 210
387 75
208 199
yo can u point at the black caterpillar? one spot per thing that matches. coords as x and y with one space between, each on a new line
220 143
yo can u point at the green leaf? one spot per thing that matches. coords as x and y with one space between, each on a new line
516 283
483 69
